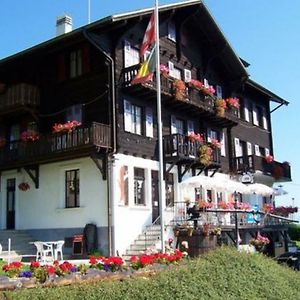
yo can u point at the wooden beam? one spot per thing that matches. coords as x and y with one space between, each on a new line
34 174
101 164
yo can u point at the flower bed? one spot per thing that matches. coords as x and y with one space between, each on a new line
28 276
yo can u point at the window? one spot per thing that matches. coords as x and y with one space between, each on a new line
74 112
75 63
72 188
219 91
139 186
244 110
177 125
132 118
172 31
170 190
131 55
123 185
173 71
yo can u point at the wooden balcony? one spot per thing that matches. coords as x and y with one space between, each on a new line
19 96
82 141
253 163
180 151
204 104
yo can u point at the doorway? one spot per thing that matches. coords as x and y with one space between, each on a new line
155 196
10 203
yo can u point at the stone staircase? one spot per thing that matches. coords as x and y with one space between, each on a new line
146 240
20 247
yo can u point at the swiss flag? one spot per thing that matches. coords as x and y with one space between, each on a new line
149 37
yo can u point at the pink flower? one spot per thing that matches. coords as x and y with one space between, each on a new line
269 158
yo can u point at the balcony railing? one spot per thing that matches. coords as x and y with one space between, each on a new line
191 97
49 147
180 147
252 163
19 95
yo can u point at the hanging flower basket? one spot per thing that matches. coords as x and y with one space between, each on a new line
179 89
220 107
24 186
233 102
205 155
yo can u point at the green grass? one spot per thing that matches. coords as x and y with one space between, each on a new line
222 274
297 243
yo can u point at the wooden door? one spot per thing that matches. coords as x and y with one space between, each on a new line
155 197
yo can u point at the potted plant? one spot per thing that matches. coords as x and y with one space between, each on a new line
24 186
179 89
233 102
66 127
220 107
259 242
205 154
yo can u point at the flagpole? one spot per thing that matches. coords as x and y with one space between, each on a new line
161 184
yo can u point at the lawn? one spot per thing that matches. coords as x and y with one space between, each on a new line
222 274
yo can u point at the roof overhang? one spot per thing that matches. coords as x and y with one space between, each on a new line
272 97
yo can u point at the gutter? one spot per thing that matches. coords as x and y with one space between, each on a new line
110 167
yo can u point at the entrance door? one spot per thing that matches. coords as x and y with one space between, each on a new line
10 203
155 196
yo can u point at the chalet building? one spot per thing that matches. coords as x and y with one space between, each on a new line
102 166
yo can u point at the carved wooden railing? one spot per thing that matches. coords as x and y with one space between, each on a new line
181 147
20 94
252 163
96 135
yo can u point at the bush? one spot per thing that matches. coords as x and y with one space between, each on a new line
294 232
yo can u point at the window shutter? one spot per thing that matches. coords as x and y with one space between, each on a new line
127 116
219 91
61 67
149 122
246 110
85 59
255 115
265 122
222 141
173 125
267 152
249 148
257 151
187 75
237 147
209 135
190 127
171 68
206 82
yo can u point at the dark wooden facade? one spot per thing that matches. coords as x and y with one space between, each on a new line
46 89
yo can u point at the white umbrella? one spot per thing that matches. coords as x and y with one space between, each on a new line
279 191
259 189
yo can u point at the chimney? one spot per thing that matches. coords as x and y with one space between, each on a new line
63 25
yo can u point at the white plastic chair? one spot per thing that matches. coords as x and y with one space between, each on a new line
58 250
43 250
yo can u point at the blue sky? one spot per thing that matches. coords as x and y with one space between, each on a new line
265 33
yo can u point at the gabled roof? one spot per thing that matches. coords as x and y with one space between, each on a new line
234 59
272 97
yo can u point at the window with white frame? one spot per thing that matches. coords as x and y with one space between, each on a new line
131 55
72 188
139 186
132 118
173 71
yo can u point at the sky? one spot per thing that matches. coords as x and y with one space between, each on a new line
263 32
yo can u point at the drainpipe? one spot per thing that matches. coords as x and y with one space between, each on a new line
111 177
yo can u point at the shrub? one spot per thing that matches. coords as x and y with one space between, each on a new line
294 232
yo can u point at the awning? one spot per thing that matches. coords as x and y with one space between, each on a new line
226 184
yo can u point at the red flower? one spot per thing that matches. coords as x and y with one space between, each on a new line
34 264
269 158
50 270
93 260
56 263
5 267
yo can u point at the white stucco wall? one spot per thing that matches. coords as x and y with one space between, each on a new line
130 220
44 207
